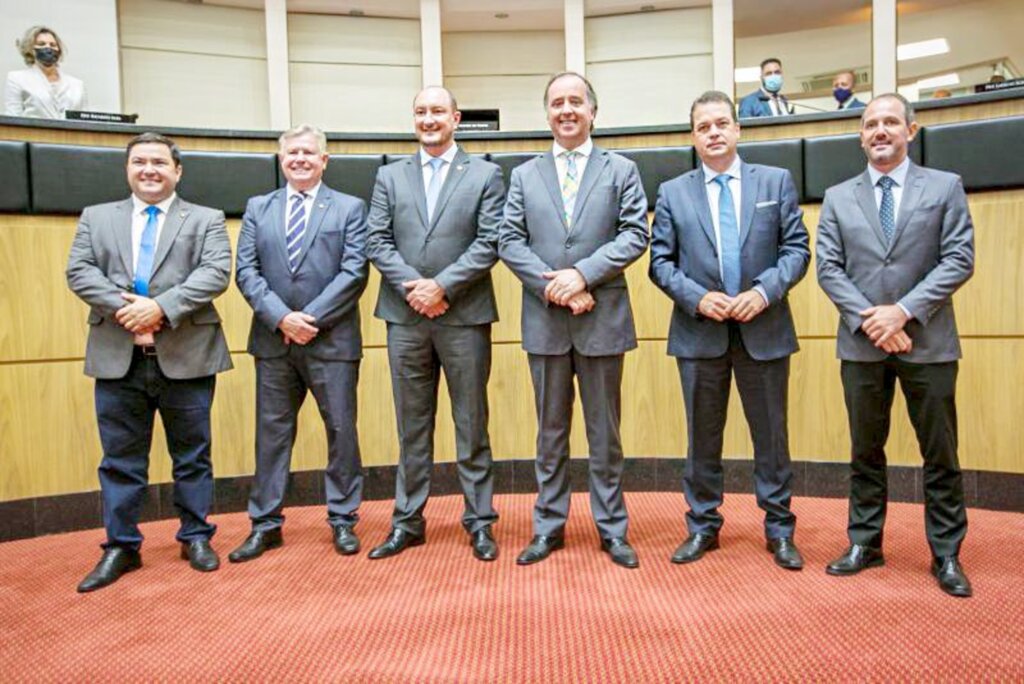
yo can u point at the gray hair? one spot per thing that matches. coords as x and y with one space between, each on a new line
27 44
303 129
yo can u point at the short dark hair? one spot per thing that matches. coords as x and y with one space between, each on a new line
149 137
591 93
709 97
908 109
770 60
451 96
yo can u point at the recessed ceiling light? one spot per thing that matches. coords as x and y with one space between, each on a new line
748 74
924 48
501 15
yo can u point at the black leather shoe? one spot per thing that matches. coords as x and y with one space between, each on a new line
786 554
484 546
539 548
345 540
621 552
694 548
116 561
855 559
952 579
255 544
399 540
200 555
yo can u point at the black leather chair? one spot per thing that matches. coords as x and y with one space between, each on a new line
353 174
14 192
988 154
659 164
509 160
786 154
67 178
833 159
226 180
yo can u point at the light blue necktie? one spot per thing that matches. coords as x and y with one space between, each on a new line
570 185
887 209
434 187
296 229
729 235
147 248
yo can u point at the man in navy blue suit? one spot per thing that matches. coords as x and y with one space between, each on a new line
767 100
728 244
302 267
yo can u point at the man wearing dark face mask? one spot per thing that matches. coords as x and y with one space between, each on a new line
767 100
842 90
42 90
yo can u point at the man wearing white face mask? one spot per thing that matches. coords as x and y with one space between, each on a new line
767 100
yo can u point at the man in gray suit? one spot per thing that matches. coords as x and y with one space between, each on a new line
728 244
302 267
433 231
149 267
576 218
894 244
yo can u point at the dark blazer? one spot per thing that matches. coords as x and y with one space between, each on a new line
931 255
330 276
457 248
191 267
774 253
609 232
756 104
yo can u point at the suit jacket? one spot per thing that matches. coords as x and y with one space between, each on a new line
756 104
457 248
191 266
774 252
330 276
853 103
608 233
931 255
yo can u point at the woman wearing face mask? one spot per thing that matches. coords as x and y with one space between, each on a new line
42 90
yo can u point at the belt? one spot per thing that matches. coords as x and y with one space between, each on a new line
146 349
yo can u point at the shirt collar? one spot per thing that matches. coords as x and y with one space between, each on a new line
899 174
309 193
139 206
734 170
583 150
448 156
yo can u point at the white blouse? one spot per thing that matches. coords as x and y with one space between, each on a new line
29 93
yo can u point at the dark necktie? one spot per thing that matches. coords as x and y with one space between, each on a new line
729 236
147 249
887 209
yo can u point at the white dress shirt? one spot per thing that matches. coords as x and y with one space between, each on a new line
428 170
561 165
899 174
139 220
307 203
29 93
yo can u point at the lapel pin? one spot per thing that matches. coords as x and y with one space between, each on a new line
321 205
459 167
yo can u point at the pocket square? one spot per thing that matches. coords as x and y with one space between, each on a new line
768 203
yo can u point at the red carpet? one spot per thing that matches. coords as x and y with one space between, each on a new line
434 614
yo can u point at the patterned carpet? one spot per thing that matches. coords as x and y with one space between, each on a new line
434 614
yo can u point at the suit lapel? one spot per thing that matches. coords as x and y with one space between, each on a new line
595 166
414 177
321 205
549 174
123 235
748 199
701 205
456 172
912 190
176 215
277 222
865 195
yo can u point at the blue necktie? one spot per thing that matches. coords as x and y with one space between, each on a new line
729 235
434 187
887 209
147 248
296 229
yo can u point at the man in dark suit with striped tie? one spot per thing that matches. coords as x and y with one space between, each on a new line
302 267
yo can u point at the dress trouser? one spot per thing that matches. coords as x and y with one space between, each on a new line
600 380
930 392
763 388
417 355
125 410
281 387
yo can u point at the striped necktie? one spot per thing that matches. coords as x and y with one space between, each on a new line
570 185
296 228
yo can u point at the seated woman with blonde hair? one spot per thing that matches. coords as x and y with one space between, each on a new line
42 90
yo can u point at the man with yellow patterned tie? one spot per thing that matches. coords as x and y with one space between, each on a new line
576 217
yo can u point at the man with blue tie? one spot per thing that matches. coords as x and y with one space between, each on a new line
728 244
894 243
433 229
302 267
149 267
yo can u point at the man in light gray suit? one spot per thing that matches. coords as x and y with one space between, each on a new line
576 218
149 267
302 267
728 244
433 232
894 244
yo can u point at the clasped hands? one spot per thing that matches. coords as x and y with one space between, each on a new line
141 316
884 326
426 297
569 288
720 307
